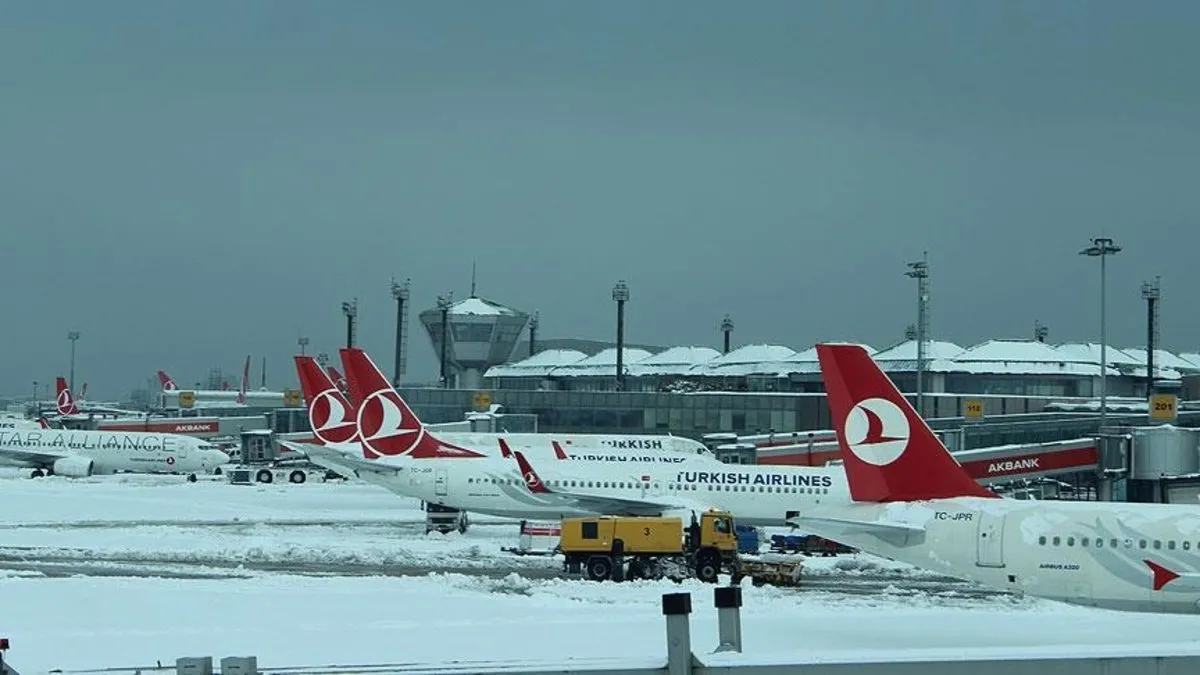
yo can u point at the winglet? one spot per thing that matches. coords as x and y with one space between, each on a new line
559 453
1162 575
532 480
505 451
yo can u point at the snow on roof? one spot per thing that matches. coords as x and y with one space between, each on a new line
907 351
1025 351
754 354
674 361
1162 358
538 365
1020 357
602 363
1089 352
1191 357
481 307
745 360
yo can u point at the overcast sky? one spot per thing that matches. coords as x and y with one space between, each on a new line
188 183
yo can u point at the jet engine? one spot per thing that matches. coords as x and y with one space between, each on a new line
73 467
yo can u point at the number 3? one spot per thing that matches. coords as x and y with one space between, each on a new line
646 531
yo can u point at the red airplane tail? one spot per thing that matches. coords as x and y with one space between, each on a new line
386 425
337 379
165 380
532 481
890 453
331 416
64 401
241 397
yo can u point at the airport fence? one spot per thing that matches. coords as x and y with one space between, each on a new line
681 659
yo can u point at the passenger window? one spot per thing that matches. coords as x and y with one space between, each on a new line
1171 545
1070 541
1128 543
1099 542
1041 541
1112 543
591 530
1187 545
1083 542
1157 544
1141 543
1057 541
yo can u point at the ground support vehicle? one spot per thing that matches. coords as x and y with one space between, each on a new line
768 573
444 519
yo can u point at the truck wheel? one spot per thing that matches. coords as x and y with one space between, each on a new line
297 476
599 568
264 476
707 568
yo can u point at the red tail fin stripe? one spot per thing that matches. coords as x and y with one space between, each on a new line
63 399
532 480
504 449
890 453
331 416
1162 575
386 424
559 453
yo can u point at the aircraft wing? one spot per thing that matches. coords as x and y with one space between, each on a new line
897 534
606 504
620 506
340 462
43 458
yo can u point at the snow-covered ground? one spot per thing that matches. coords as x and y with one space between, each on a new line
128 571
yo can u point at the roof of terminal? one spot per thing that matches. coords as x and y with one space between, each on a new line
996 357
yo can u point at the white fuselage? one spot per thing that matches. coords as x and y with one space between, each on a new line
755 495
109 451
489 443
1086 553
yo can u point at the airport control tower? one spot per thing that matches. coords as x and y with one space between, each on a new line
482 334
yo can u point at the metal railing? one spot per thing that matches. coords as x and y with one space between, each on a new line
726 659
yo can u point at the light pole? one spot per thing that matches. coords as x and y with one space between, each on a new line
1151 292
1102 247
303 341
920 271
533 329
73 336
350 309
443 304
620 294
400 293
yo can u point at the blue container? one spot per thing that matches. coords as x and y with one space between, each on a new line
747 538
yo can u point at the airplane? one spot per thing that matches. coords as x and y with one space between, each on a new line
222 397
367 383
78 454
914 503
70 408
385 444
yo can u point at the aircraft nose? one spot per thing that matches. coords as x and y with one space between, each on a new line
219 457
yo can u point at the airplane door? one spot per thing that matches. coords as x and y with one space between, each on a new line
989 540
440 482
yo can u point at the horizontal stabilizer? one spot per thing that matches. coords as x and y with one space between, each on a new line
896 534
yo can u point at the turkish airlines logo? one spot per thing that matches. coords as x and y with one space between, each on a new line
876 431
330 420
532 480
64 401
381 420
